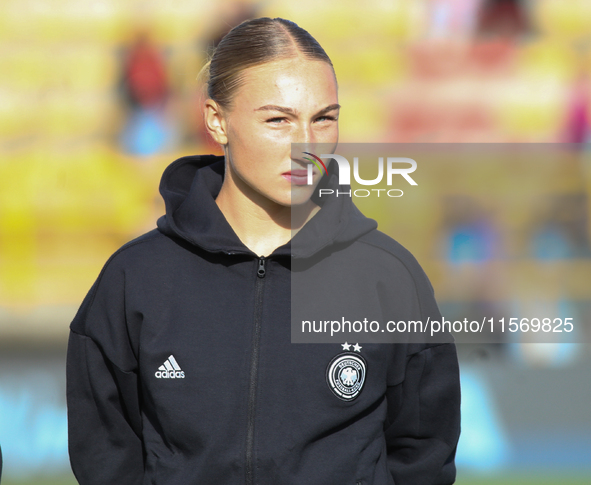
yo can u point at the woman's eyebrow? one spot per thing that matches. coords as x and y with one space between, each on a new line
294 112
272 107
331 107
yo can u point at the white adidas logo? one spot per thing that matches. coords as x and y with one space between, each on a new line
170 370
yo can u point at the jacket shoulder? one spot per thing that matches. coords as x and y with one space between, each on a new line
108 284
138 246
150 247
392 247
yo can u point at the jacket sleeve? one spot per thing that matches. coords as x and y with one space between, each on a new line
423 423
104 423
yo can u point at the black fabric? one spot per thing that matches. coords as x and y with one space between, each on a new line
250 406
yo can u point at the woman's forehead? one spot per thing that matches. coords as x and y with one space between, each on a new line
294 80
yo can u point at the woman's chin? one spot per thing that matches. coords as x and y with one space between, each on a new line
301 194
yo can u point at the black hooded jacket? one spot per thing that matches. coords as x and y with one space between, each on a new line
181 369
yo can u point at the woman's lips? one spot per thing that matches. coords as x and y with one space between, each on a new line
296 177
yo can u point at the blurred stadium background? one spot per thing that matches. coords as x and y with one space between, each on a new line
97 97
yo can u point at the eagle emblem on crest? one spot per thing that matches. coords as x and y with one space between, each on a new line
345 375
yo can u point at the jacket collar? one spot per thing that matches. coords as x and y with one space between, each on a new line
190 185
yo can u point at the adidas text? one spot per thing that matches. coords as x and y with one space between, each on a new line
170 374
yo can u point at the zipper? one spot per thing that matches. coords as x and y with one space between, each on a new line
254 366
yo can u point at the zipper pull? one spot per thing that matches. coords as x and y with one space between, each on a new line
261 270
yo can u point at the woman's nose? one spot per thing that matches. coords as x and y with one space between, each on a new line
305 134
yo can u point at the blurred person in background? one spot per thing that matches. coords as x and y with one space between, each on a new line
146 83
503 18
146 90
180 362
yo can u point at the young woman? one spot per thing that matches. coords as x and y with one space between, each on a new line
181 368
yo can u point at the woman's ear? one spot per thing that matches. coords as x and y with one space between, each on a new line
215 122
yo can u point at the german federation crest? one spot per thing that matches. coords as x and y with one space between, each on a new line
345 375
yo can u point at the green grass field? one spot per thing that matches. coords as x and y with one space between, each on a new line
525 479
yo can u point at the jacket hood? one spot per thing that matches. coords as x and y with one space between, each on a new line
190 185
